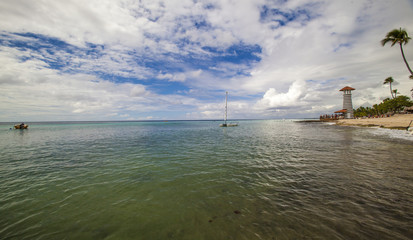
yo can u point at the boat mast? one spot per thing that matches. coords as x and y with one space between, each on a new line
226 106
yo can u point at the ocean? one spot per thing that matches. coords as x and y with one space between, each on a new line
265 179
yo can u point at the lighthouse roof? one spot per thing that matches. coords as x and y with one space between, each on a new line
347 88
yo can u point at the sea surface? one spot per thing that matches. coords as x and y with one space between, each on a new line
269 179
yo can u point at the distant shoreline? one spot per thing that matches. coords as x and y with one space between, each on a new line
398 121
146 121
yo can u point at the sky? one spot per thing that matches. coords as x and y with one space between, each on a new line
94 60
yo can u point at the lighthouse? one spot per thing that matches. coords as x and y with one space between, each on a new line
347 103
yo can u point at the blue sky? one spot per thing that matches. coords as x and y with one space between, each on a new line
156 60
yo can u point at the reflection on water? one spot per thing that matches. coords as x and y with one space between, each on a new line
194 180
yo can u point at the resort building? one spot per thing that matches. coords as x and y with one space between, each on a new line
347 110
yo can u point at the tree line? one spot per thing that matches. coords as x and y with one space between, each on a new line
387 106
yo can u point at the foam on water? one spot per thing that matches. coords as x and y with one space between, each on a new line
384 133
393 133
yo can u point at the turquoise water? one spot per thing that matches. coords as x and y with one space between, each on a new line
193 180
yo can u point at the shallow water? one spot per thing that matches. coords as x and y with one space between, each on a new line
193 180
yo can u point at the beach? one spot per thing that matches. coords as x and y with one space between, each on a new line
399 121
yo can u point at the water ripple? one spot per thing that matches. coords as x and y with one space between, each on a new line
194 180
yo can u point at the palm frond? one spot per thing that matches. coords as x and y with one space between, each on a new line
396 36
388 80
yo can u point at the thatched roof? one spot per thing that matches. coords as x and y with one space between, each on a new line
341 111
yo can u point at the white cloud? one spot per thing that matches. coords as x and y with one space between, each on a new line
138 91
310 49
179 77
341 47
29 90
292 98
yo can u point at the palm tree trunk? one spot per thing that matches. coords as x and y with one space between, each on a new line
405 61
391 91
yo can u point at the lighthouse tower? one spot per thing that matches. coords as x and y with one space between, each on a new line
347 103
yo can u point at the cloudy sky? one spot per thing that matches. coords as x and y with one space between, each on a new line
175 59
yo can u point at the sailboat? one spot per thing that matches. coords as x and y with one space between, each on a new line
225 124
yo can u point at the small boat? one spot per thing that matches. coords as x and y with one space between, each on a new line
225 124
228 125
21 126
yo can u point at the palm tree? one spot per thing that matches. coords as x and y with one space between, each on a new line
389 81
376 108
395 93
401 37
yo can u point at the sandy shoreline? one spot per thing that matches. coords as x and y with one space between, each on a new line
399 121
